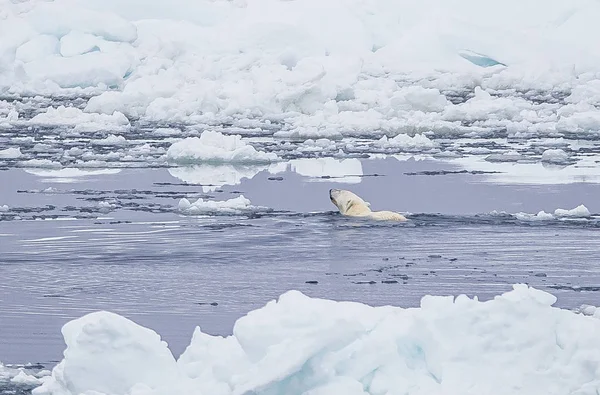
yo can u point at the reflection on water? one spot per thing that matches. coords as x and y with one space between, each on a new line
346 171
586 170
213 177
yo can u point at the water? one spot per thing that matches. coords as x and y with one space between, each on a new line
109 236
144 260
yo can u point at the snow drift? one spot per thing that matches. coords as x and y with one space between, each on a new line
516 343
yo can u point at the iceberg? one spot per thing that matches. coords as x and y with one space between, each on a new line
515 343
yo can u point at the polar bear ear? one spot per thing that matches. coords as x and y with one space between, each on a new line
368 204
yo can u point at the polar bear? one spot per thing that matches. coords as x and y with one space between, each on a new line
352 205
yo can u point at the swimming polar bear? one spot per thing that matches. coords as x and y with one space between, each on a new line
352 205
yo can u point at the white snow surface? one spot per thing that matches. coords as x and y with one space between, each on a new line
216 147
578 212
349 67
199 207
72 116
560 213
557 156
516 343
22 375
10 153
407 142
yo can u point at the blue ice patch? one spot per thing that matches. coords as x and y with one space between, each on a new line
479 59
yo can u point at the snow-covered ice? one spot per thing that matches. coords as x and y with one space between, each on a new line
200 207
111 140
405 141
41 163
555 156
24 378
23 375
215 147
350 68
515 343
540 216
72 116
560 213
10 153
4 208
578 212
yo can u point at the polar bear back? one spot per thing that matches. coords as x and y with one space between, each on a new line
387 216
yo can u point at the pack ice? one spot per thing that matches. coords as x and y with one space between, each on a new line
516 343
347 67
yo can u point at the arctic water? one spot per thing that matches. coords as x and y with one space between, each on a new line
164 171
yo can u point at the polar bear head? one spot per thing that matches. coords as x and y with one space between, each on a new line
348 203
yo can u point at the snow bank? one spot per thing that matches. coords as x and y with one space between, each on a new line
351 67
4 208
232 206
516 343
215 147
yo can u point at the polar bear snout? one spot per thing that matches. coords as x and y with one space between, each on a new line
333 194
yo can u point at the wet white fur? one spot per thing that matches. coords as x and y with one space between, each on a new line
352 205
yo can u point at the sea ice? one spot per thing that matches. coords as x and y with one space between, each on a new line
42 163
24 378
4 208
22 375
404 141
348 68
215 147
232 206
73 116
514 343
111 140
540 216
578 212
11 153
557 156
37 48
